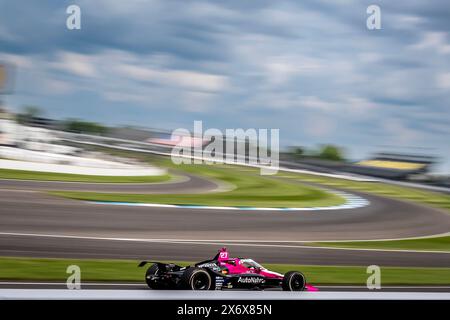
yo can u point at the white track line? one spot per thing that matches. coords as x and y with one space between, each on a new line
445 234
438 235
246 243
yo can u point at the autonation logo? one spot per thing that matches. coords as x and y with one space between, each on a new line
256 147
252 280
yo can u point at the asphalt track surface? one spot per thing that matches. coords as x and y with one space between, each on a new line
186 183
97 294
33 223
143 287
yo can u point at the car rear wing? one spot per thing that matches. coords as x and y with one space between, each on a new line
161 265
143 263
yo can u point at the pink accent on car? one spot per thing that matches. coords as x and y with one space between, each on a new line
270 274
311 288
223 254
236 266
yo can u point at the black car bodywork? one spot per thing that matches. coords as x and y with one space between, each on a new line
212 275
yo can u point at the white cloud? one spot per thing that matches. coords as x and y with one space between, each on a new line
317 104
435 41
281 69
443 81
319 126
182 78
198 101
196 80
358 106
19 61
77 64
406 21
399 133
57 87
120 7
261 62
138 72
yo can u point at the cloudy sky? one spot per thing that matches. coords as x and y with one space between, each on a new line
310 68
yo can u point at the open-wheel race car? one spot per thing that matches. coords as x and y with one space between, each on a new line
222 272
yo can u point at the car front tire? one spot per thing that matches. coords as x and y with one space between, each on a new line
293 281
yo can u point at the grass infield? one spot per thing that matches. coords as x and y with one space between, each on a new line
251 190
46 269
429 198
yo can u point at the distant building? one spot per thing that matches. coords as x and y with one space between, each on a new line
8 128
393 165
35 135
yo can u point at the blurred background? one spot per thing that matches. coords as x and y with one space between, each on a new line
87 115
371 102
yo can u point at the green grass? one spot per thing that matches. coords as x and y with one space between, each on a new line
429 198
438 244
250 190
435 199
45 269
50 176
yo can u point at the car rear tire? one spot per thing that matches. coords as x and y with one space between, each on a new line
153 284
196 279
293 281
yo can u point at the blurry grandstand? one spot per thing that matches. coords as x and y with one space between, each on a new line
405 166
394 166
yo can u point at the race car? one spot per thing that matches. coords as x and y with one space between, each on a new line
222 272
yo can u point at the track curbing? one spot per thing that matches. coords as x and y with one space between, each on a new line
352 202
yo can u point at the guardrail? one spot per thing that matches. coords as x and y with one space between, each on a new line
166 151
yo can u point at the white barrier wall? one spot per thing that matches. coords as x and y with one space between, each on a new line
7 132
73 169
34 149
60 163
